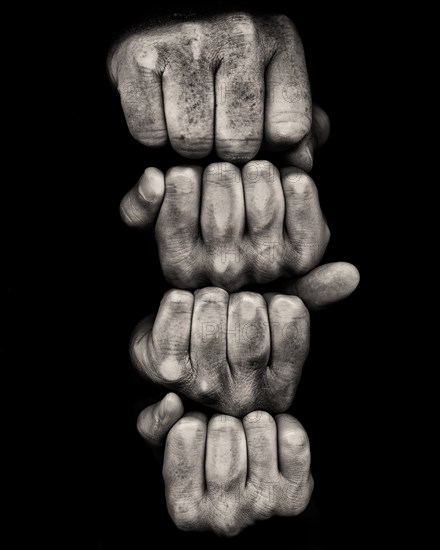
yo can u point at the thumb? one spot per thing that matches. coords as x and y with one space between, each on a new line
140 206
324 285
156 421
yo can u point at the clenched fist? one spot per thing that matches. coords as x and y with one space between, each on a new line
224 82
235 352
230 227
238 352
224 474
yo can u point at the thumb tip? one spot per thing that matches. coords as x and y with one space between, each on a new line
342 280
154 422
349 277
327 284
170 408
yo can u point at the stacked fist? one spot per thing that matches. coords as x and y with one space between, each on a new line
224 474
235 84
230 227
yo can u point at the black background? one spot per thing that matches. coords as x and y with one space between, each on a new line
112 278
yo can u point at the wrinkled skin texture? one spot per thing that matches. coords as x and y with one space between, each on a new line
230 227
225 82
224 474
235 353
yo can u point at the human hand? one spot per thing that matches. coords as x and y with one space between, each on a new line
239 352
230 81
224 474
230 227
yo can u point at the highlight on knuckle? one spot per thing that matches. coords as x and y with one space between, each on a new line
222 174
248 299
226 274
180 301
258 419
187 429
298 439
226 524
211 295
243 23
298 183
293 304
181 178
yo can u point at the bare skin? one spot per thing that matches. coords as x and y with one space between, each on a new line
230 227
228 82
224 474
235 84
234 352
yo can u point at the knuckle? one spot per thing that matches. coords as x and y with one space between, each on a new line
172 369
262 497
180 301
145 56
264 252
147 138
297 182
266 270
188 428
181 178
254 166
258 418
151 138
222 173
192 146
226 525
283 134
226 275
293 304
255 170
248 299
211 295
179 268
244 23
204 389
297 437
222 424
190 29
185 516
239 151
263 507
